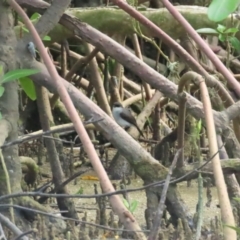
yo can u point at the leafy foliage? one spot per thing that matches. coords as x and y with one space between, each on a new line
35 18
25 82
17 74
220 9
224 35
28 87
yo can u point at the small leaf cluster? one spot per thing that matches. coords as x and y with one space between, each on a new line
22 76
131 206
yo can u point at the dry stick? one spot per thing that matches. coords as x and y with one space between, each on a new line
118 69
63 60
156 121
63 72
181 117
115 96
104 67
106 76
127 94
157 220
136 98
115 201
68 127
81 62
226 99
230 179
203 46
156 115
161 68
226 210
46 119
77 78
146 112
138 53
9 191
6 222
190 46
2 236
200 191
181 126
131 86
96 81
56 46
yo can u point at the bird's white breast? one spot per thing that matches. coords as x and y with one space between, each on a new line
116 114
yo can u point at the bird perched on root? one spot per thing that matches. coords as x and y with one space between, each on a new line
124 117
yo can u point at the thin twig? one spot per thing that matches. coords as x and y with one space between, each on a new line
2 236
56 189
6 222
56 129
24 234
63 218
200 197
155 184
8 185
157 221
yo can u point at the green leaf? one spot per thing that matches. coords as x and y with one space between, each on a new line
111 65
125 202
133 206
80 191
236 199
199 126
16 74
0 115
2 89
25 29
35 16
28 87
231 30
237 229
1 72
222 37
46 38
235 43
207 31
220 9
221 28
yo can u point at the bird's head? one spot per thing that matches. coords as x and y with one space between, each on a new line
117 105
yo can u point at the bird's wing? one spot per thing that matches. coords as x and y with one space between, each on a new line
127 116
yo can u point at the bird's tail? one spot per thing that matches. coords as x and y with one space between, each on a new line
139 130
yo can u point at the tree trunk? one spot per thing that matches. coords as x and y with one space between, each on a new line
9 100
9 111
119 167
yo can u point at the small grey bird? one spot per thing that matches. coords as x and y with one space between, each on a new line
31 48
124 117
